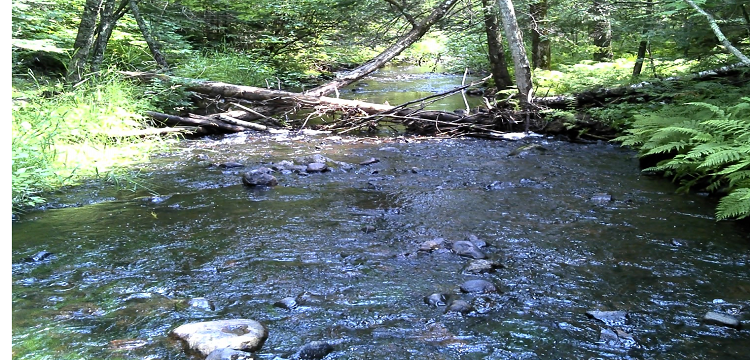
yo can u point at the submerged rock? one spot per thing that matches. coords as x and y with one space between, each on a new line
467 249
230 165
237 334
229 354
601 199
479 266
478 286
314 350
201 303
714 318
476 241
611 318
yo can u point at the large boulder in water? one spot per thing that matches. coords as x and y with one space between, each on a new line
259 177
237 334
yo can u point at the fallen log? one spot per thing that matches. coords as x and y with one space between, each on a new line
202 122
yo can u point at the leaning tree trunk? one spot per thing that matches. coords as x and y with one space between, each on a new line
540 45
601 31
84 40
416 33
153 45
719 35
495 46
517 50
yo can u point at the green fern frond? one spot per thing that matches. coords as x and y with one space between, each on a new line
721 158
715 109
734 205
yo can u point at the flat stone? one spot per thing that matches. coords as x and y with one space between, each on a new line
714 318
40 256
476 241
611 318
230 165
478 286
601 198
287 303
237 334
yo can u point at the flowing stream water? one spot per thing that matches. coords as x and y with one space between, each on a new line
575 227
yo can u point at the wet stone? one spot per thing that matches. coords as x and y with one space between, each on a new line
611 318
237 334
314 350
435 300
139 297
431 245
40 256
230 165
601 198
317 167
459 306
480 266
478 286
229 354
255 178
287 303
370 161
127 344
201 303
714 318
476 241
482 305
467 249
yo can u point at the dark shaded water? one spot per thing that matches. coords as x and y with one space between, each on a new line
125 267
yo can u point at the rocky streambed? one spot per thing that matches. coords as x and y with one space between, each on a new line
384 249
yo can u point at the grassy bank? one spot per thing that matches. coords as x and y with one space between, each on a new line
62 136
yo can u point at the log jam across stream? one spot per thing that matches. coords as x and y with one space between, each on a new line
565 229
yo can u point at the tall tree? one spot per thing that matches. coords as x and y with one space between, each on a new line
495 46
84 40
540 44
517 49
601 30
643 45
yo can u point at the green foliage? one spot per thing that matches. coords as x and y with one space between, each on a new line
61 136
711 154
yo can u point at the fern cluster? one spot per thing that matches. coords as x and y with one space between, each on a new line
712 155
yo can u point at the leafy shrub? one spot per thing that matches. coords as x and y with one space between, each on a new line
711 154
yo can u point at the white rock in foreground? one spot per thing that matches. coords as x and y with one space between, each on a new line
237 334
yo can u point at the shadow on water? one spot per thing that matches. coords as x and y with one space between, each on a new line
576 227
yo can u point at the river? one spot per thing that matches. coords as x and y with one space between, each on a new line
574 227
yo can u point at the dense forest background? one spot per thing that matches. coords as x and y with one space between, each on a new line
69 96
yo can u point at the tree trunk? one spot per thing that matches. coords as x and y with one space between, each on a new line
107 20
381 59
495 46
516 48
84 40
719 35
643 46
601 31
540 45
153 45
